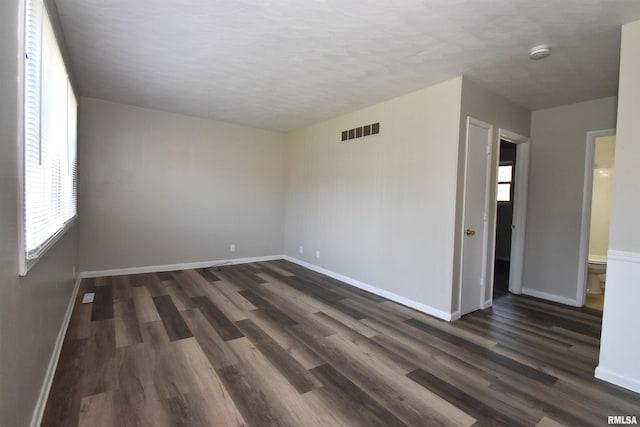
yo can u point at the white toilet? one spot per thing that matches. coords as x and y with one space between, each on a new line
596 274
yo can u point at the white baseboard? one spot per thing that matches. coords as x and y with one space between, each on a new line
377 291
38 412
488 303
172 267
551 297
455 315
621 380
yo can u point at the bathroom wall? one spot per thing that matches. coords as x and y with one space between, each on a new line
601 198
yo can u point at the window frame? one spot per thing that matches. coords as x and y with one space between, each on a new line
510 182
25 263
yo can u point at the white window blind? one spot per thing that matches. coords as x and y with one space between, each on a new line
50 120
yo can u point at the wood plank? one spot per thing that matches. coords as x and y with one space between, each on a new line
168 373
179 297
79 328
268 266
207 390
154 334
495 358
479 410
221 323
252 402
185 280
145 308
66 389
548 422
295 373
232 295
312 305
136 398
103 302
185 411
155 285
137 280
173 322
405 399
126 323
286 406
165 276
211 343
286 340
121 288
269 309
208 274
99 410
351 401
100 365
230 309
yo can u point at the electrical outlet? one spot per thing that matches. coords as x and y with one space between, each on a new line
317 254
300 249
232 248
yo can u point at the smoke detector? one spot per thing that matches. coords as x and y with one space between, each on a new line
539 52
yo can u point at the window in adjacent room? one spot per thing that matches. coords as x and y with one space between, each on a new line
49 164
505 175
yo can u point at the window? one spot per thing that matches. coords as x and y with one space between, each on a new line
505 174
50 114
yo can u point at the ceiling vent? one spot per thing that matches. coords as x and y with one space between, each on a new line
362 131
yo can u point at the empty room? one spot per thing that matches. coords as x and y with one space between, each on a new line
322 213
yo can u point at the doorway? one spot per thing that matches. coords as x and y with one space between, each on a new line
506 184
478 225
596 206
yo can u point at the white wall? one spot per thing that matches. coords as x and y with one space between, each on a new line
620 347
32 308
603 174
554 209
157 188
482 104
381 209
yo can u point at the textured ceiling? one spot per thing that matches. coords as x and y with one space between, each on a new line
283 64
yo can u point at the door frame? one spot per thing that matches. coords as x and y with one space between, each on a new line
485 243
516 268
585 220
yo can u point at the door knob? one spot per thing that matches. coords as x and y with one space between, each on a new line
470 232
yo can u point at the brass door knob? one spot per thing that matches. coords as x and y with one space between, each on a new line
470 232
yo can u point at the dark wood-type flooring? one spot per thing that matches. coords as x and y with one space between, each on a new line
274 344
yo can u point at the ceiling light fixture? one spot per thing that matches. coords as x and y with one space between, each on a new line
539 52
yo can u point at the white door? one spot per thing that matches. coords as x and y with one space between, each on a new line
475 215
